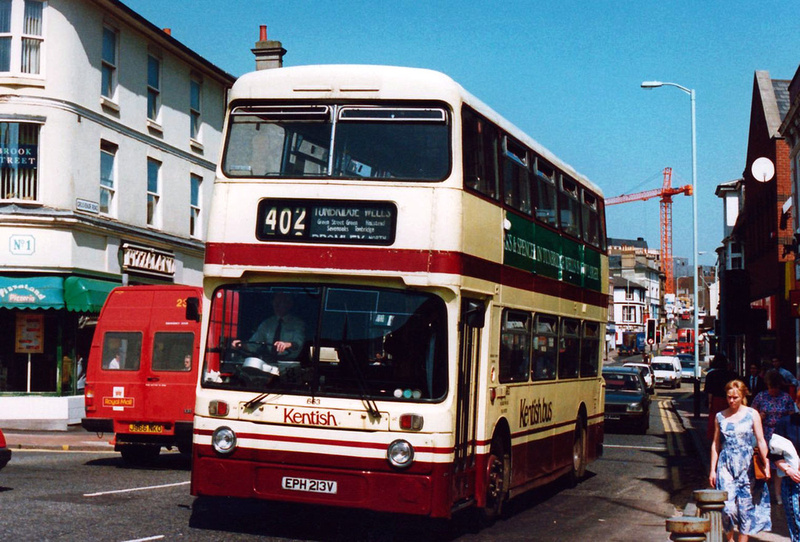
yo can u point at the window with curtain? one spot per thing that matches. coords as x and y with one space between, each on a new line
21 36
5 35
32 37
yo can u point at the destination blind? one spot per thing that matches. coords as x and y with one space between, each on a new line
342 222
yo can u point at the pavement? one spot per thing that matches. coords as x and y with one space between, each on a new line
76 438
696 428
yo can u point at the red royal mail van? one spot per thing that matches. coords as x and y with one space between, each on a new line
142 369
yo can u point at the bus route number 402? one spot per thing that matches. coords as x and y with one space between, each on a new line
285 221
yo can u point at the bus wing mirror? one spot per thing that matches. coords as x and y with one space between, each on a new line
193 309
474 313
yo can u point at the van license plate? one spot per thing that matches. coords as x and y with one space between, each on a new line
145 428
305 484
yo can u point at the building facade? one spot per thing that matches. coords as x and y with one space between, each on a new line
790 130
109 134
757 259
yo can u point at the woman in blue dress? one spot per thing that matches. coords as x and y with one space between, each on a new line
737 430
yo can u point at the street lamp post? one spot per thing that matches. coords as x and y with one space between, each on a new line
690 92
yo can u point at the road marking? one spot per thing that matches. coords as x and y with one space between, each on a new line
135 489
674 441
157 537
61 451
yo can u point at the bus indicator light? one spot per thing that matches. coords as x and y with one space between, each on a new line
218 408
411 422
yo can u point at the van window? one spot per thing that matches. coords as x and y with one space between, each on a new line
172 351
122 350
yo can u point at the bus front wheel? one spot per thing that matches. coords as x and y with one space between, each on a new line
579 454
496 487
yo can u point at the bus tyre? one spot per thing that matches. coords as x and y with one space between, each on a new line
497 473
138 454
579 443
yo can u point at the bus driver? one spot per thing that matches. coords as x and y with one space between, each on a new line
284 331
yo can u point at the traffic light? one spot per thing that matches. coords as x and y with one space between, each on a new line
651 331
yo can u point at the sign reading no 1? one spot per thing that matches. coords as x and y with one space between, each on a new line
22 245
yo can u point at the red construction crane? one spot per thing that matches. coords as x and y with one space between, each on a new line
665 193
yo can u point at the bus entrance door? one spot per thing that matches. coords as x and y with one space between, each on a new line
466 401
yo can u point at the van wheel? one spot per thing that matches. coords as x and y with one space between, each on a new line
140 454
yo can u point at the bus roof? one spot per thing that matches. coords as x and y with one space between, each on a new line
342 81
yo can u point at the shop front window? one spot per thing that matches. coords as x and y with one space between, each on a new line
19 164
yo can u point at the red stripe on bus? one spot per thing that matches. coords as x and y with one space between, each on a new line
325 442
399 260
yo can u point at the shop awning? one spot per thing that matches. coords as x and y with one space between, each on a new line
86 295
31 292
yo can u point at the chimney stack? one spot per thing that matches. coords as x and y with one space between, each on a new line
269 53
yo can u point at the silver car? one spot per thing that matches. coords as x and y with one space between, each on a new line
647 374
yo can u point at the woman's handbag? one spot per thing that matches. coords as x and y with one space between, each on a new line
759 466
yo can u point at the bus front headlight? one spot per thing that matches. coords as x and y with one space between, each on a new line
400 454
223 440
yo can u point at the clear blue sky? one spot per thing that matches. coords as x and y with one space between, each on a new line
567 72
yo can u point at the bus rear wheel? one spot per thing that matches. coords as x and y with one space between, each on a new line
496 491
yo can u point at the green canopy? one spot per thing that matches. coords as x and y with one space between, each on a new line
31 292
86 295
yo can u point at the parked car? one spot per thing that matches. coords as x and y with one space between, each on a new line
5 452
647 374
687 367
667 370
627 400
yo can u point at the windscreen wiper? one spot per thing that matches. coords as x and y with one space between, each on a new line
372 407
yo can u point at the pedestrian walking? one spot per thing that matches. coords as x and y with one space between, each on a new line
788 427
772 405
755 382
716 379
736 428
791 383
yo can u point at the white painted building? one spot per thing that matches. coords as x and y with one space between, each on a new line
630 307
109 135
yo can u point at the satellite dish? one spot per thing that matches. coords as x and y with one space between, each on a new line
763 169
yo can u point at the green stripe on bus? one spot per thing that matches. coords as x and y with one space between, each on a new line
539 250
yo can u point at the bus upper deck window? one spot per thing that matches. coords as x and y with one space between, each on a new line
392 143
545 193
278 141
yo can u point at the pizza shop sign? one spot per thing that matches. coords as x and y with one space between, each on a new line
147 260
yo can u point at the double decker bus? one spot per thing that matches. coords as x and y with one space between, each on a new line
441 276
